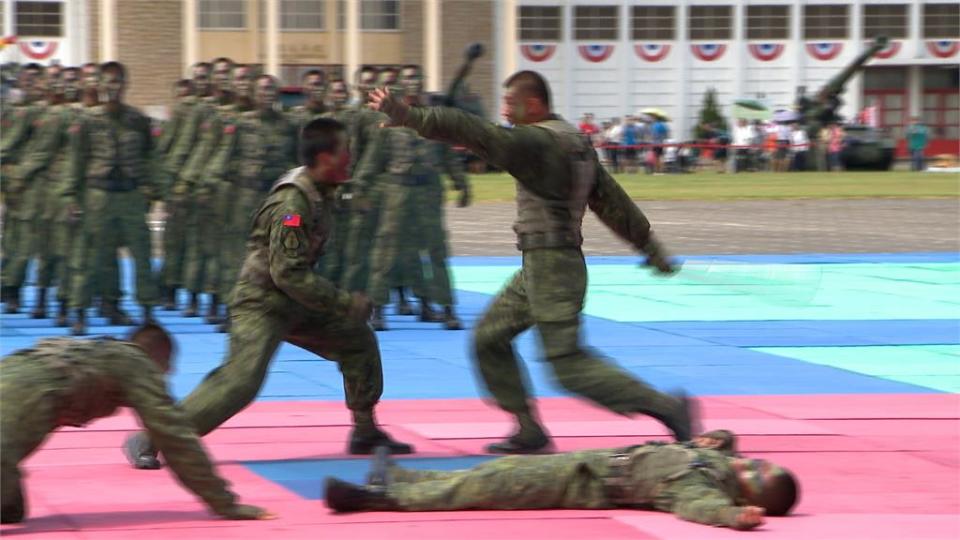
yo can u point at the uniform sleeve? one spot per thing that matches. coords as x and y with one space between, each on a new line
193 172
19 133
184 139
509 149
696 498
290 266
171 432
216 170
75 171
155 182
372 163
42 149
454 167
617 211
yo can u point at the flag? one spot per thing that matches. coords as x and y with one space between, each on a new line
291 220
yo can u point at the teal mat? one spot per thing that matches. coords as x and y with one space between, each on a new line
933 366
716 291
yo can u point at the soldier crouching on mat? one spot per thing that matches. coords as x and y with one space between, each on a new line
69 382
700 481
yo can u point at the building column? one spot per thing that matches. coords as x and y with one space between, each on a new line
739 45
191 48
798 48
333 38
8 18
504 47
915 72
273 38
853 100
352 35
626 58
108 30
569 57
682 51
431 45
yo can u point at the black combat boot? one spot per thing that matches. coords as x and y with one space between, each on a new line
427 314
685 424
62 315
377 321
529 439
366 436
79 327
115 315
193 309
346 497
450 320
148 315
403 307
140 453
40 309
12 300
170 299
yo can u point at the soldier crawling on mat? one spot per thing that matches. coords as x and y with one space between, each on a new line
69 382
702 481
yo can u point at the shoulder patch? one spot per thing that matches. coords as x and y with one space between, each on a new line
74 128
291 220
229 128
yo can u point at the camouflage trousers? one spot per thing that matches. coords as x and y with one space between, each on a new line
244 202
333 263
179 217
260 321
411 220
35 217
363 227
570 480
205 234
28 400
548 293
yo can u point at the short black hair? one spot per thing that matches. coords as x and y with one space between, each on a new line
319 136
220 59
115 67
32 66
314 72
205 65
154 339
780 493
388 69
267 76
183 83
530 83
71 69
411 66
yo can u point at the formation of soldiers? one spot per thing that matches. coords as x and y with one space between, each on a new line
82 168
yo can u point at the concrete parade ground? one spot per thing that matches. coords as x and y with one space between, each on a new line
826 333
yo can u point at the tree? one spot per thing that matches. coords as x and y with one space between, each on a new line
710 114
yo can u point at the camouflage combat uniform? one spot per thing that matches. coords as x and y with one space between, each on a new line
695 484
65 382
558 176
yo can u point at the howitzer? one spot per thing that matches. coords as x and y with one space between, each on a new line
822 109
473 52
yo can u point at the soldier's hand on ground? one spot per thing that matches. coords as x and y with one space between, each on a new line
382 100
246 511
465 197
750 517
361 307
662 265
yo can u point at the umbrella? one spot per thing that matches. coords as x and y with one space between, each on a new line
751 104
656 113
784 116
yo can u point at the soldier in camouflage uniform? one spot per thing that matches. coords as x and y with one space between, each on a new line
699 484
411 217
183 98
364 211
112 171
43 216
254 152
67 382
210 197
179 205
558 176
279 297
17 130
314 88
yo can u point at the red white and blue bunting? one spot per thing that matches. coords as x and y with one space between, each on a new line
537 52
652 52
708 52
943 48
38 50
766 52
824 50
890 50
595 53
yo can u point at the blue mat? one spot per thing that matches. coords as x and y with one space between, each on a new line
306 477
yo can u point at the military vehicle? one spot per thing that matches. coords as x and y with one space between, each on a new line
866 149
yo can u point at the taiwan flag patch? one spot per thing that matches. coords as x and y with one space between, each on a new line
291 220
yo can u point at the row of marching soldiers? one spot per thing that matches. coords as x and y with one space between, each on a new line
81 168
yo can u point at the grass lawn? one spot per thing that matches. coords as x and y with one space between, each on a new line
713 186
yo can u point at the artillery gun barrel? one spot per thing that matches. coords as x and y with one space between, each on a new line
835 85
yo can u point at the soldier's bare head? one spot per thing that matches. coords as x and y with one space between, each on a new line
156 342
71 84
222 74
767 485
201 78
338 94
527 99
314 86
266 91
183 88
243 81
113 82
324 151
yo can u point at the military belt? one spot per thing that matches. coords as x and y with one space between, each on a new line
618 484
414 179
548 239
114 184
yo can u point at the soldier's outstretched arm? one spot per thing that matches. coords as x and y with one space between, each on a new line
696 498
511 149
172 434
290 266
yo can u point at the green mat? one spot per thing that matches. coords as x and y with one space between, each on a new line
933 366
705 291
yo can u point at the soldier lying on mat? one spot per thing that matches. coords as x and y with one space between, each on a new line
69 382
702 481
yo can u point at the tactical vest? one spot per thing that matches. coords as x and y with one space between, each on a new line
256 266
117 157
547 223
